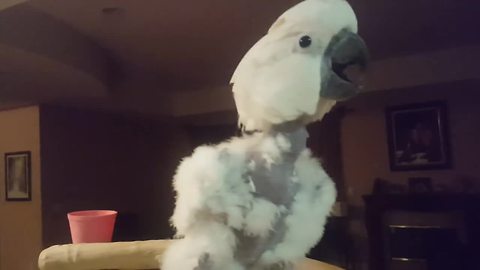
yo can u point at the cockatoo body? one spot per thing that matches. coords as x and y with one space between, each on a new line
261 201
248 203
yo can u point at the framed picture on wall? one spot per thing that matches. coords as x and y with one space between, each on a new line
18 176
418 137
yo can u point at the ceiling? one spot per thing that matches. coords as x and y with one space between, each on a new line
186 44
138 55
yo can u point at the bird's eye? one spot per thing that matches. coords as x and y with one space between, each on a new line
305 41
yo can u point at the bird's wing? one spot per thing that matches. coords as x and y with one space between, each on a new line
210 186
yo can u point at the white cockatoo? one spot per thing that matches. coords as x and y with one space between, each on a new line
261 201
298 70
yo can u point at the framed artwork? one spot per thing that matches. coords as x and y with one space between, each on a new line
418 137
18 184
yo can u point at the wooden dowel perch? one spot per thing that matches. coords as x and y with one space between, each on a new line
137 255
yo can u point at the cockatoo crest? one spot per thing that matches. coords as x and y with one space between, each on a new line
280 79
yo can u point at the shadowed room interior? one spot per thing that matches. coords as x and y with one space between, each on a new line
108 97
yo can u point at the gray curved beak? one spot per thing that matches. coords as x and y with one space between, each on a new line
343 68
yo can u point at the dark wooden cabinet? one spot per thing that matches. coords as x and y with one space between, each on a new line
379 206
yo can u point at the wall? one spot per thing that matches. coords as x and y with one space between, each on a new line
20 222
364 141
94 160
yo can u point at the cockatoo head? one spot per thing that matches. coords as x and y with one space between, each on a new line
310 58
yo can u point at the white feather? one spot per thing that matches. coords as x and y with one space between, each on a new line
260 219
276 81
310 210
214 200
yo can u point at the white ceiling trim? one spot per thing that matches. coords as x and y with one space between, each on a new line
30 30
421 69
32 77
4 4
435 67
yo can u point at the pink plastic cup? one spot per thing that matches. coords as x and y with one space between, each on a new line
92 226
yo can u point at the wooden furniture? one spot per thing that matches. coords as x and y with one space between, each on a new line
123 255
378 206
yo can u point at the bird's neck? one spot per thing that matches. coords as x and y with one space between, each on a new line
296 137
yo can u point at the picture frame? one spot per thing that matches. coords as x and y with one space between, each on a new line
18 182
418 137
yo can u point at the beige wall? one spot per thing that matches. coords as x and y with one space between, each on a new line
20 222
364 142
